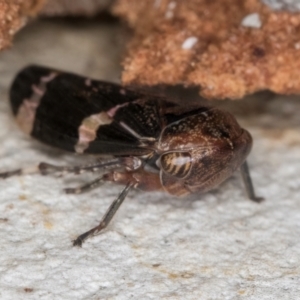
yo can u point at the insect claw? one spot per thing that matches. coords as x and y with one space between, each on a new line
72 191
258 199
46 168
77 242
248 183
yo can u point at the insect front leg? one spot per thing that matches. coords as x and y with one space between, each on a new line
106 218
248 183
146 181
86 187
140 179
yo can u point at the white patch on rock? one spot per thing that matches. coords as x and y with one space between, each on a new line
170 10
297 45
189 43
252 20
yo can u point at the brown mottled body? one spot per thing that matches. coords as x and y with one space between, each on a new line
213 146
155 144
194 154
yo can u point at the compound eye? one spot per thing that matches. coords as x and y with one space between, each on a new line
177 164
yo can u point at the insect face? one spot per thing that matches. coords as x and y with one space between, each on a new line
202 150
176 164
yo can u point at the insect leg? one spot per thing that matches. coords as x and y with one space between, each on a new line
18 172
145 181
43 168
248 183
106 218
85 187
46 168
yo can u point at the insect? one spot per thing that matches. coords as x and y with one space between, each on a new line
152 143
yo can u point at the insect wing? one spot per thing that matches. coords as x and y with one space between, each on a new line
83 115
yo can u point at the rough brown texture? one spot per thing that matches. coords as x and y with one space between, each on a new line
15 13
74 7
227 61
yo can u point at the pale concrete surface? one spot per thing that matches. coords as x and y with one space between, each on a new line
220 246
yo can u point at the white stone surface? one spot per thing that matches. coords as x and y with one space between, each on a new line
252 20
189 43
219 246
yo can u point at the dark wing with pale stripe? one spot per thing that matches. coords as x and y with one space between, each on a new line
68 111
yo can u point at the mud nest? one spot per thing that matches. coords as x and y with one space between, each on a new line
227 48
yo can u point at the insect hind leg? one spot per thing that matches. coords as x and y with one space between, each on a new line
19 172
44 168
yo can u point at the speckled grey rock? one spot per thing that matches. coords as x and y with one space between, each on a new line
219 246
